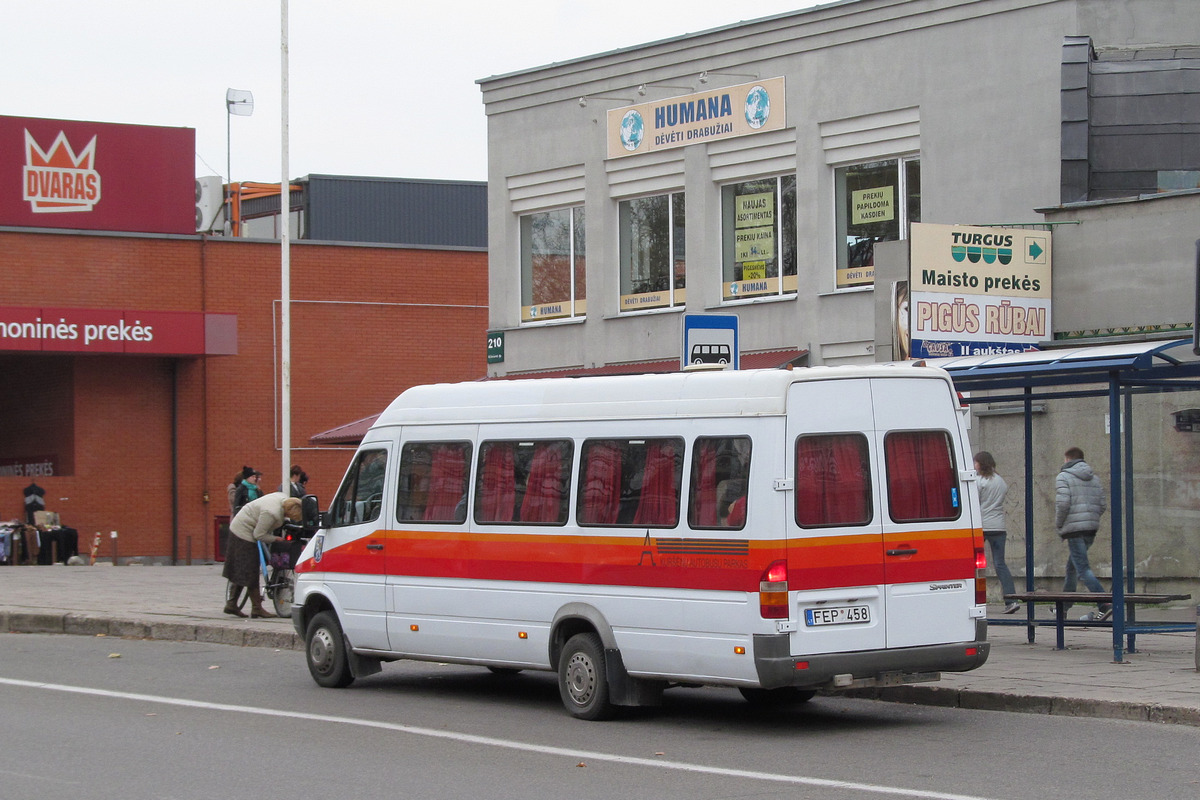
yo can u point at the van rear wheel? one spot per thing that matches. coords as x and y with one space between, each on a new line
582 679
783 696
325 652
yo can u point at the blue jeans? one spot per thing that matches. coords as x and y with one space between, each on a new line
1078 566
996 540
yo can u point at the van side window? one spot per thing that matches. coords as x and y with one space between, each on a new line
833 480
523 482
720 478
361 496
922 481
433 482
630 482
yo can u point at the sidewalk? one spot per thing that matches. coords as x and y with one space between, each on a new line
1159 683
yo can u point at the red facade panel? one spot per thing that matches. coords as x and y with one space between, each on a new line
96 176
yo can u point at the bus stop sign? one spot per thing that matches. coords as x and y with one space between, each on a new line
710 339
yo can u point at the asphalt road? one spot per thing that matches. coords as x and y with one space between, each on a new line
120 718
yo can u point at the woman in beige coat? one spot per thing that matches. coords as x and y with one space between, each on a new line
256 522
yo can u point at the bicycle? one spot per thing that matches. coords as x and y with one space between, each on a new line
280 585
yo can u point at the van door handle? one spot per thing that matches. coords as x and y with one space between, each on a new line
380 547
908 551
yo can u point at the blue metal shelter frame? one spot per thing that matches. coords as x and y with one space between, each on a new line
1117 371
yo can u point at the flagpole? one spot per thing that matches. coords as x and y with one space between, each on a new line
285 273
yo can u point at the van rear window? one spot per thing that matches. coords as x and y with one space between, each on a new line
833 480
922 482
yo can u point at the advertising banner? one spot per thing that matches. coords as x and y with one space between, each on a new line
694 118
94 330
977 291
97 176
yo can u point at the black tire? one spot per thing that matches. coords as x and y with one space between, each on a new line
325 652
582 680
283 587
783 696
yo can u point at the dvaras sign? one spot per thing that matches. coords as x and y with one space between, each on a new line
84 330
976 291
96 176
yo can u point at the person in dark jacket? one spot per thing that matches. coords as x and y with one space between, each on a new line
297 480
247 491
1078 504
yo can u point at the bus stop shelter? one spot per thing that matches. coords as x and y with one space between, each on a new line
1118 372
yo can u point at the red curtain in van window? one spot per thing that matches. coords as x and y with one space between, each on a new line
447 484
831 481
658 504
601 484
544 492
498 490
921 476
704 494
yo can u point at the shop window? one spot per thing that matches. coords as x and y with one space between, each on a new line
652 252
758 228
876 202
553 265
833 480
922 481
523 482
632 482
720 481
432 486
360 498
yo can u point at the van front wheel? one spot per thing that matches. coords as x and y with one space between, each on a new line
325 651
582 682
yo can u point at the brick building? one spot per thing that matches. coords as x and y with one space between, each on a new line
144 444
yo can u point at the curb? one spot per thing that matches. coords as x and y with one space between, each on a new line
978 700
85 625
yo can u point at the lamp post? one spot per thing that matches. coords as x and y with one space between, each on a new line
241 103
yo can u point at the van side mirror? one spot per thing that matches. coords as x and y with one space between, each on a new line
310 513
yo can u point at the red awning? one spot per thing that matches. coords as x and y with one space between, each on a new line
350 433
353 432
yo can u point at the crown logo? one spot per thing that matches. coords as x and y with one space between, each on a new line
58 179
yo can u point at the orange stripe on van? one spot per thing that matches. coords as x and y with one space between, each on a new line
667 561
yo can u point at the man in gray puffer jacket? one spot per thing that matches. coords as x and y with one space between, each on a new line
1078 504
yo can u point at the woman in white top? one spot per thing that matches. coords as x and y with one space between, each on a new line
992 491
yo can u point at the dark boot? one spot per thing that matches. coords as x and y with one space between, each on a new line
231 598
256 607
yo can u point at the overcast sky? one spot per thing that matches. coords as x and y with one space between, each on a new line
377 87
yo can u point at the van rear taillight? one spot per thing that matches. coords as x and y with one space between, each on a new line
980 580
773 591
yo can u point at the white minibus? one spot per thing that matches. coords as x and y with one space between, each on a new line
782 532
